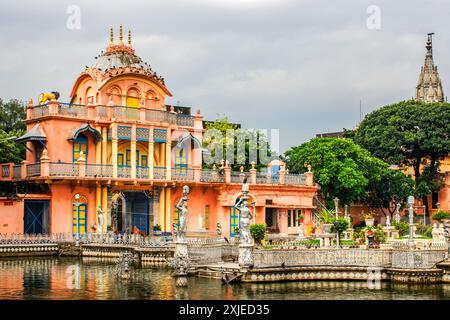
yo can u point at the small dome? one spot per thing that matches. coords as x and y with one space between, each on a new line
118 60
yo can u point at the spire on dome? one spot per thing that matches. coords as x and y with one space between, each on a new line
121 35
129 38
429 88
111 36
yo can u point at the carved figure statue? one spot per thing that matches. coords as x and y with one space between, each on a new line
100 218
182 206
245 214
46 96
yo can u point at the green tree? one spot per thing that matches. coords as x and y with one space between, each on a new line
342 168
255 140
392 188
10 150
12 114
409 133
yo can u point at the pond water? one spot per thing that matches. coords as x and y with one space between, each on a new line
73 279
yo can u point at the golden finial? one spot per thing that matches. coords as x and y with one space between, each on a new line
111 36
129 38
121 35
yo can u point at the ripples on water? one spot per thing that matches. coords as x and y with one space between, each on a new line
69 278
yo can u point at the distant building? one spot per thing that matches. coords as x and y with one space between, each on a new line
429 88
339 134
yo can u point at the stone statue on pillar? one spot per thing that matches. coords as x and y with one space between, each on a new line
100 219
245 246
182 206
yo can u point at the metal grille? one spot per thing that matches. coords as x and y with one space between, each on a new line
34 169
142 134
99 170
63 169
185 120
124 132
160 135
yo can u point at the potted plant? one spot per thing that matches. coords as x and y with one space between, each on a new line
300 218
441 215
157 230
327 217
369 219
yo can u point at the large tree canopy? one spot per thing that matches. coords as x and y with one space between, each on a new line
255 143
12 114
342 168
409 133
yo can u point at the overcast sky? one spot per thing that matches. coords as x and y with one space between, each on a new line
298 66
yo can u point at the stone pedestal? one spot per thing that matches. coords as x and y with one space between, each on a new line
245 254
326 239
391 232
181 280
180 263
348 234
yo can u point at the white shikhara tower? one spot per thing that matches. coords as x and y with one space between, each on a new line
429 88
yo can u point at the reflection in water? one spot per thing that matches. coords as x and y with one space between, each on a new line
71 278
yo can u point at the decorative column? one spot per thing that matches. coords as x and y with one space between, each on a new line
24 169
161 205
282 174
227 172
45 164
411 222
104 144
30 109
253 173
133 151
198 134
81 161
168 159
167 211
150 156
98 148
105 205
114 150
246 245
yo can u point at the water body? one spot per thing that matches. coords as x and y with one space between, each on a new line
73 279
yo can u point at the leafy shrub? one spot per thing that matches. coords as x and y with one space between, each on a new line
424 230
379 235
441 215
327 216
156 227
339 225
258 232
401 226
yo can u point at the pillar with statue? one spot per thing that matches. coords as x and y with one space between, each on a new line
246 243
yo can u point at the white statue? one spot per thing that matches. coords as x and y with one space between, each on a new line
245 214
100 219
182 206
388 220
300 231
397 212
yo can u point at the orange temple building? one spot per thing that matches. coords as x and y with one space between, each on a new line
117 146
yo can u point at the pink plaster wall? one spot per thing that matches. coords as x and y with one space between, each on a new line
11 213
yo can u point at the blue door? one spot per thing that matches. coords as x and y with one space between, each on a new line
137 208
235 220
36 217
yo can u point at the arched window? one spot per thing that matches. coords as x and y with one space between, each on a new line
79 144
133 98
90 96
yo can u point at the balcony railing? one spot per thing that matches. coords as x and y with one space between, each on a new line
17 171
63 169
124 172
236 177
102 111
126 112
159 173
99 170
182 174
34 169
212 176
73 110
295 179
142 173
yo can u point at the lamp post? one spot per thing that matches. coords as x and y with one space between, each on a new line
77 234
411 222
424 215
336 208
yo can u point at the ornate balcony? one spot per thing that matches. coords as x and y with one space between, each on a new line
83 170
55 108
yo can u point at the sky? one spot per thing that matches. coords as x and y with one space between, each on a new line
300 66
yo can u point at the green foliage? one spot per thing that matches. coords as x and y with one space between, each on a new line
327 216
10 150
255 140
441 215
340 225
342 168
379 235
424 230
11 115
393 186
358 233
409 133
401 226
156 227
258 232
